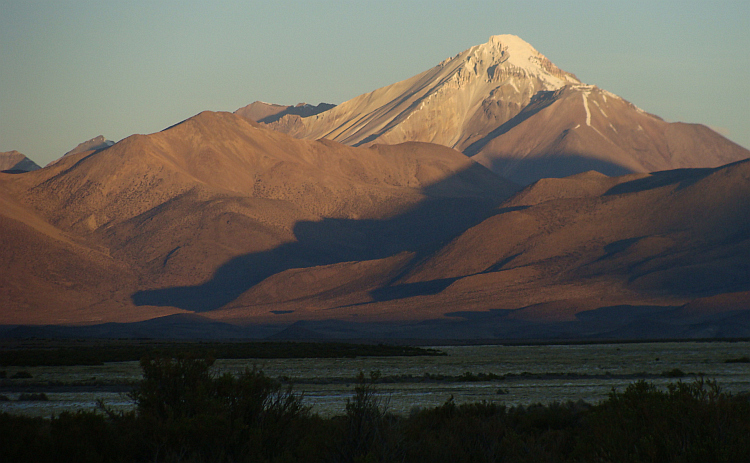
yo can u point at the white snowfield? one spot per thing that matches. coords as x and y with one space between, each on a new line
453 95
470 102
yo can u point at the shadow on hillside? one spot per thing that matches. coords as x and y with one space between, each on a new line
420 230
403 291
681 177
330 241
301 110
527 171
539 101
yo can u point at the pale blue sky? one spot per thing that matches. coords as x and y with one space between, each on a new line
71 70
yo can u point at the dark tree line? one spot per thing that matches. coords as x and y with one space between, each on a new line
184 412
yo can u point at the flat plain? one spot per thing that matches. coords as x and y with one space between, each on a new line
505 374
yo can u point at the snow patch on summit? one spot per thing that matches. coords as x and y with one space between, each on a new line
513 53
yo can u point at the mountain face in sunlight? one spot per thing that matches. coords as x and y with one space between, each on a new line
238 229
392 216
193 217
507 106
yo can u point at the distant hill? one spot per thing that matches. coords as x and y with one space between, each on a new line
97 143
509 107
13 161
267 113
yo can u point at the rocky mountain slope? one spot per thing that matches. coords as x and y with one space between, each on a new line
116 235
644 255
251 231
520 115
581 128
356 226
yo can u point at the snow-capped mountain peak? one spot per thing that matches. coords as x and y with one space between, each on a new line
505 56
508 107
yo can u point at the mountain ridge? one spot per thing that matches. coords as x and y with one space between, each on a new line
221 222
509 106
171 209
14 161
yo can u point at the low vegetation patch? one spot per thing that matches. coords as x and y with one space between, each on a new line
97 353
470 377
674 373
185 412
33 397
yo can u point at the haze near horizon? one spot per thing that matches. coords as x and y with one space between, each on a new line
73 70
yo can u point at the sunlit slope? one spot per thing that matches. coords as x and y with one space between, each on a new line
175 208
589 241
583 128
508 106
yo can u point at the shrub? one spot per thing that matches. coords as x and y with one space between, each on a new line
687 422
186 413
488 432
191 412
81 437
173 388
367 431
454 433
674 373
24 439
